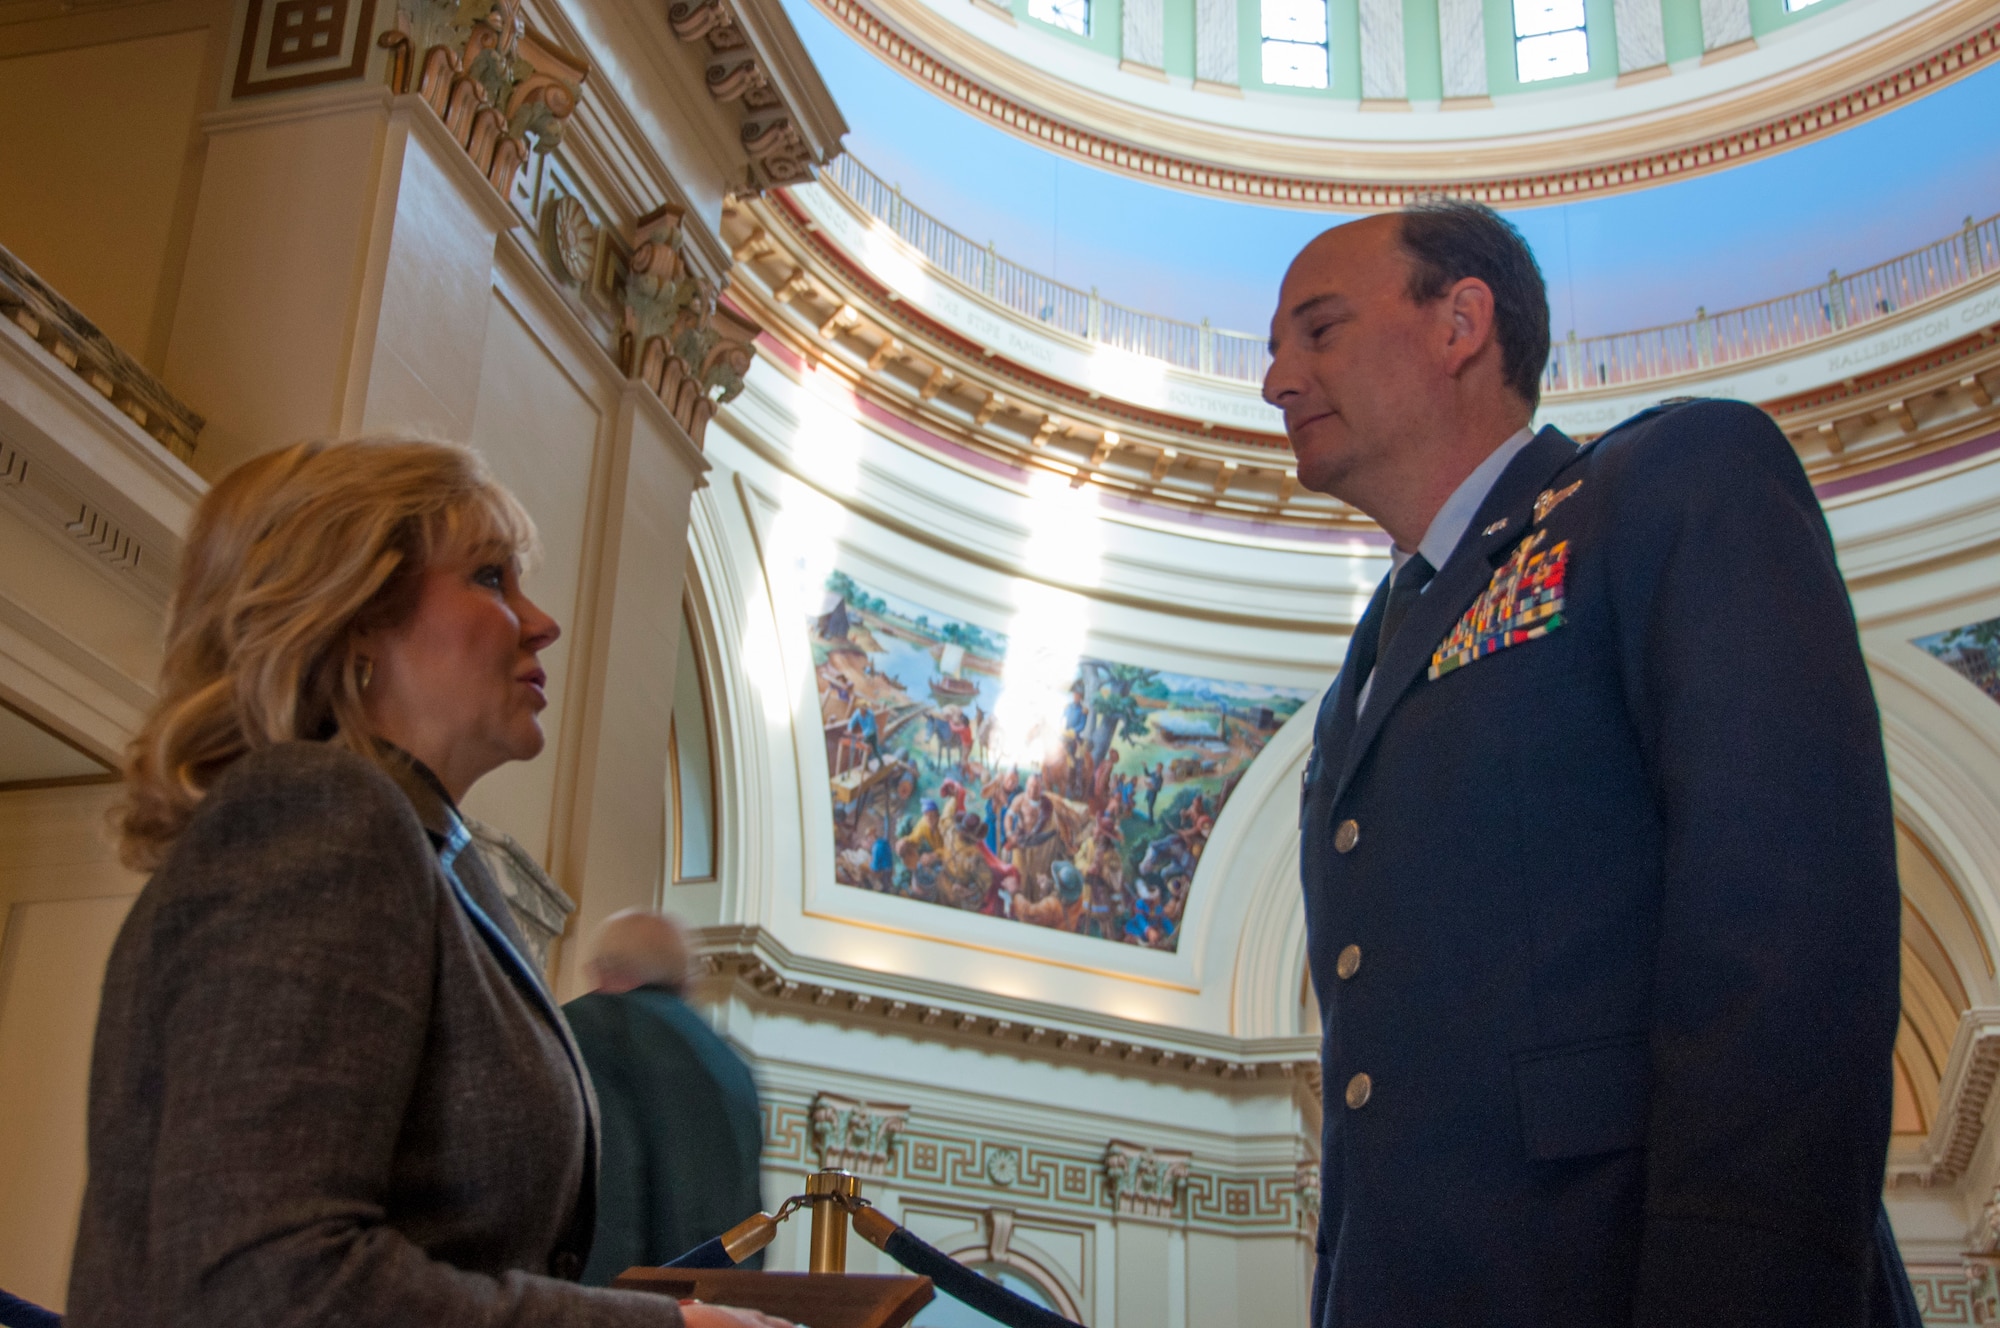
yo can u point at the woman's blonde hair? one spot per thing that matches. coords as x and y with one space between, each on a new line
291 556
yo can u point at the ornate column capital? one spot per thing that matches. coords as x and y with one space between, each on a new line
856 1136
501 88
1142 1181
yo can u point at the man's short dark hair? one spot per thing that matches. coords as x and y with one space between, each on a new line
1448 240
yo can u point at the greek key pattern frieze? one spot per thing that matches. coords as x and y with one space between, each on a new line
1076 1181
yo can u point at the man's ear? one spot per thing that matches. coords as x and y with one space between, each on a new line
1469 306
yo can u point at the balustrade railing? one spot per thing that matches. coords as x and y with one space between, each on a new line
1575 363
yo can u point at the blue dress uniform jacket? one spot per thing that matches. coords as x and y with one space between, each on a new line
1604 920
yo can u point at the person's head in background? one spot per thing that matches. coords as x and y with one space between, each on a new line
637 947
364 593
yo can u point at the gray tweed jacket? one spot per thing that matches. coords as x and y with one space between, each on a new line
326 1088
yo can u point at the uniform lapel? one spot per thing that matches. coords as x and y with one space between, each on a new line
1335 728
1459 582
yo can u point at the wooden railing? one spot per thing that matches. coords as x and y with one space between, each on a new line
1576 364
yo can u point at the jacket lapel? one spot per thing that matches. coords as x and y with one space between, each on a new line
1457 584
1335 727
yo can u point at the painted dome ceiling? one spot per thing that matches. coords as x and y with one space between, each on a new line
1357 104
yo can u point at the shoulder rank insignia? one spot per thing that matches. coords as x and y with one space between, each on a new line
1494 529
1524 600
1549 499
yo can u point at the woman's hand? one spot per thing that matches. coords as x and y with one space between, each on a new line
696 1314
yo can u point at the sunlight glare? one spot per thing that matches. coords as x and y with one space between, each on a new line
1045 638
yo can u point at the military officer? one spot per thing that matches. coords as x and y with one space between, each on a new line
1600 887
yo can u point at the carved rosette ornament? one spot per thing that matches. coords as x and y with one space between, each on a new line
1144 1182
856 1136
568 239
499 88
677 340
778 153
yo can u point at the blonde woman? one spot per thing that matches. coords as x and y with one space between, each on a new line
327 1088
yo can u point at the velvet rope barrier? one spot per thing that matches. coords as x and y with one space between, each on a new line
18 1313
950 1276
738 1243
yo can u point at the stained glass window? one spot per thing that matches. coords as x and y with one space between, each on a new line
1294 45
1549 39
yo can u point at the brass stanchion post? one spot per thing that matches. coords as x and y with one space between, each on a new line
825 1190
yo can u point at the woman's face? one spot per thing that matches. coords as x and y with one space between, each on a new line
458 686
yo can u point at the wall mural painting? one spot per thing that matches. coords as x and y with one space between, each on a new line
1972 650
1086 810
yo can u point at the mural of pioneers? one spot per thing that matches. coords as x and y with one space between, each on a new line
1973 650
1091 821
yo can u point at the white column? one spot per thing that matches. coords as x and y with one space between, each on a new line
1724 23
1146 33
1642 44
1382 49
1462 34
1215 58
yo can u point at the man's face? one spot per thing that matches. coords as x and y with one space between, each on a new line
1352 356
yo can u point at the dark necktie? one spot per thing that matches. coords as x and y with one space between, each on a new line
1411 578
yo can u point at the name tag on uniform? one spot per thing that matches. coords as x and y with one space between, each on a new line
1524 600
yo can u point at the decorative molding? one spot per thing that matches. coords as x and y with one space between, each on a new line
1964 1092
66 334
1945 1296
1611 158
103 537
820 302
770 135
301 43
692 351
540 907
1144 1182
770 978
856 1136
501 89
1061 1179
1305 1182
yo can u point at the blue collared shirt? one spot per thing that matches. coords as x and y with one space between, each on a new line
1447 528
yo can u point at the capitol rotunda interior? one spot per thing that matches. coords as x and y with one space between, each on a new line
883 377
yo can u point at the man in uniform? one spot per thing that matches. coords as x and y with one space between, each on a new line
1599 875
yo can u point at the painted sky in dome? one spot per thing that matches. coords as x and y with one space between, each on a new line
1614 264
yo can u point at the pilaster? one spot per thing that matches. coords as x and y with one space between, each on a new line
1382 72
1642 42
1145 34
1462 34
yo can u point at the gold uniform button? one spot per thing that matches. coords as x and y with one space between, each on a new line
1358 1089
1349 963
1346 836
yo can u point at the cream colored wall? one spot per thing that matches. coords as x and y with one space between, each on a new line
103 154
62 898
346 268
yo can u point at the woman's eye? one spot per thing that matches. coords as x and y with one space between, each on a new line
493 577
